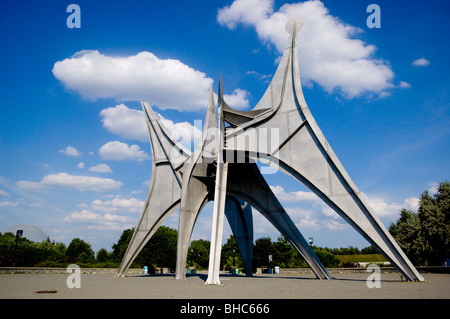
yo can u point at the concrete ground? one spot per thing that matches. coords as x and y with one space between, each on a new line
263 286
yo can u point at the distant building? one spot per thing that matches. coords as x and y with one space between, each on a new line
30 232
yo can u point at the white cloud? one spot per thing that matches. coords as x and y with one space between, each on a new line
433 188
315 215
83 215
328 52
293 196
130 123
238 99
100 222
81 183
129 205
71 151
80 165
390 211
4 193
7 203
165 83
119 151
100 168
404 85
411 204
126 122
263 77
320 215
184 132
421 62
30 186
311 219
383 209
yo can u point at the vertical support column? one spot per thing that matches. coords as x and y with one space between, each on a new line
220 196
217 226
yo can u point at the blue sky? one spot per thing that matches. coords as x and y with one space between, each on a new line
74 153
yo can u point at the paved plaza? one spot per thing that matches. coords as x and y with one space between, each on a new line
263 286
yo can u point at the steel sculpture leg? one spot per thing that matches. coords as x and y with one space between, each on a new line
198 185
220 193
239 216
165 187
194 196
246 182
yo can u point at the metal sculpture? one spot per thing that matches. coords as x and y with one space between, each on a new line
280 130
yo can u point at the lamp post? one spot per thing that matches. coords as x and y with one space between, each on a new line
19 233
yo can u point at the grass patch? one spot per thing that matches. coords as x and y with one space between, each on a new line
370 258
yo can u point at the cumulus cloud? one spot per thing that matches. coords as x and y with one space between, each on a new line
119 151
412 204
166 83
311 219
4 193
329 53
30 186
118 204
390 211
404 85
100 222
100 168
315 215
433 188
7 203
81 183
421 62
71 151
237 99
125 122
130 123
319 215
187 134
382 208
293 196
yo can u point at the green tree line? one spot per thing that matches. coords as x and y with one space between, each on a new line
424 236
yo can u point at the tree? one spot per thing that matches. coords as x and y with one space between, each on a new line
434 215
80 251
231 256
102 255
120 248
407 233
261 250
327 258
25 253
285 255
425 236
369 250
161 249
198 254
